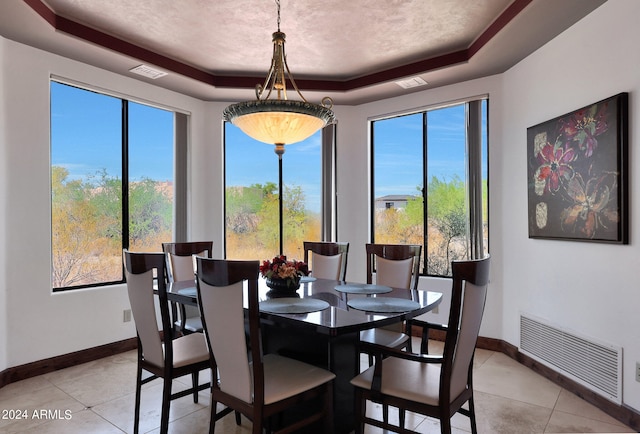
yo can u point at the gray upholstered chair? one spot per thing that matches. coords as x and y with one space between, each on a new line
435 386
255 384
180 266
327 260
166 359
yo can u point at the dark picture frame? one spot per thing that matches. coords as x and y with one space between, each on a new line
577 174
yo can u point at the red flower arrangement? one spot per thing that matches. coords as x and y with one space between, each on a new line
280 268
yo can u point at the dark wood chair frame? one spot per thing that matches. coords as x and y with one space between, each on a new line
395 252
224 273
472 271
138 263
328 248
186 248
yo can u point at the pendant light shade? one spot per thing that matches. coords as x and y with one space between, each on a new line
277 120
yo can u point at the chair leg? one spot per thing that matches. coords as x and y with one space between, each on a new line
166 402
238 421
472 416
445 425
402 416
136 416
424 341
194 379
212 417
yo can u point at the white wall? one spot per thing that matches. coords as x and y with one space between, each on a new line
40 324
589 288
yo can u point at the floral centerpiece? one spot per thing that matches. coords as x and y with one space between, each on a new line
282 274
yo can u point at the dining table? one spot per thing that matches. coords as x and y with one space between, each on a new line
320 323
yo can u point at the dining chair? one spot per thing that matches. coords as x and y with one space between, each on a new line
169 358
435 386
328 259
180 266
397 266
255 384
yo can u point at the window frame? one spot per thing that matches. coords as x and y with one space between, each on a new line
328 174
475 154
179 176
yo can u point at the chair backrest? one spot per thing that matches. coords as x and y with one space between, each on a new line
142 271
395 265
180 265
468 296
220 296
328 259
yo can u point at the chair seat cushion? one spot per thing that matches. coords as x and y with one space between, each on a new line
405 379
384 337
285 377
189 349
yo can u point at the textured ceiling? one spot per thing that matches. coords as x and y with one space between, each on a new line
353 50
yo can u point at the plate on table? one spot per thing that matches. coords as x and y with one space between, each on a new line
362 288
293 305
305 279
383 304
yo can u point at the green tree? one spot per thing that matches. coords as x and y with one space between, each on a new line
75 230
150 214
448 217
86 224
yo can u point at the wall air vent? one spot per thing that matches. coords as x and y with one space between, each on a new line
411 82
596 366
148 71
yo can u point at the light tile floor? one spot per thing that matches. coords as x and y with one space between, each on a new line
98 397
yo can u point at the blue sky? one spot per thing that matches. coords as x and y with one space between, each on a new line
86 135
86 139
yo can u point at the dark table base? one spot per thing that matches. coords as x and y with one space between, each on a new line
337 354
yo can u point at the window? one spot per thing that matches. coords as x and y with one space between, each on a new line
111 183
251 196
441 155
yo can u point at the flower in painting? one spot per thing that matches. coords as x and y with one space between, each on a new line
584 126
591 202
554 165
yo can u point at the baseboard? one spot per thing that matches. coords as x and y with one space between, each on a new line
33 369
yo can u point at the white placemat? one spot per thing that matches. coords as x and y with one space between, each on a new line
361 288
293 305
383 304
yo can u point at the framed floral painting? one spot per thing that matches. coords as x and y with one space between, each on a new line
577 174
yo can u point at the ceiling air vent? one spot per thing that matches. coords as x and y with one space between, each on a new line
411 82
147 71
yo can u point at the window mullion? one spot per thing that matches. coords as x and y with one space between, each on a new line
474 177
425 183
125 174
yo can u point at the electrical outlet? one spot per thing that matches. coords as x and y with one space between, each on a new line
638 372
126 315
